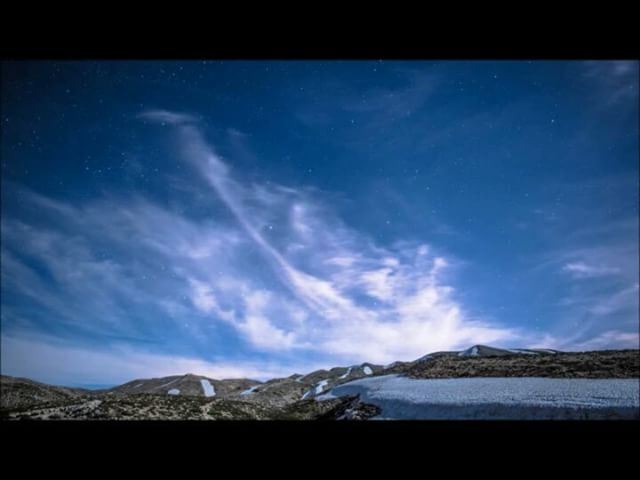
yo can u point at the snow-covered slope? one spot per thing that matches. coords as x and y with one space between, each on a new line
496 398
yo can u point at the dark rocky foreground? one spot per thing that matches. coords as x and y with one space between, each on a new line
162 407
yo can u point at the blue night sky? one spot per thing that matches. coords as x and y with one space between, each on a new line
260 218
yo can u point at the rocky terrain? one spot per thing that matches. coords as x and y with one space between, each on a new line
600 364
312 396
284 391
186 407
16 393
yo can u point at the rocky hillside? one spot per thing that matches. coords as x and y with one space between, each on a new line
283 391
601 364
197 397
23 393
189 384
146 406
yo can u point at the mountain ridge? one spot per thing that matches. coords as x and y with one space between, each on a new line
199 396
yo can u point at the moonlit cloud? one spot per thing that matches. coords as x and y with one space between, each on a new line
616 79
583 270
596 266
284 272
313 214
611 337
339 296
623 300
166 117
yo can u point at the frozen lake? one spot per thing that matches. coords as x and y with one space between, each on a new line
496 398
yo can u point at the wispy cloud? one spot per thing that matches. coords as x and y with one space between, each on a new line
618 79
267 269
583 270
623 300
279 269
594 273
167 117
338 295
608 338
391 104
373 108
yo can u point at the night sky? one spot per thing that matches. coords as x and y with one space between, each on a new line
261 218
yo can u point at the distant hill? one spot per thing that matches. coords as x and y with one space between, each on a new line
21 392
490 363
189 384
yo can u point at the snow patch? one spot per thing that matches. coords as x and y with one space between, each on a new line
472 352
306 395
325 396
249 391
521 351
346 374
393 364
320 386
207 388
174 391
169 383
367 370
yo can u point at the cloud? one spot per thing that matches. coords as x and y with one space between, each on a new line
50 361
616 79
624 300
116 262
583 270
167 117
591 276
269 270
370 109
610 339
395 103
607 274
334 294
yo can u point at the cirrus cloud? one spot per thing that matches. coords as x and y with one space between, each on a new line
277 272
